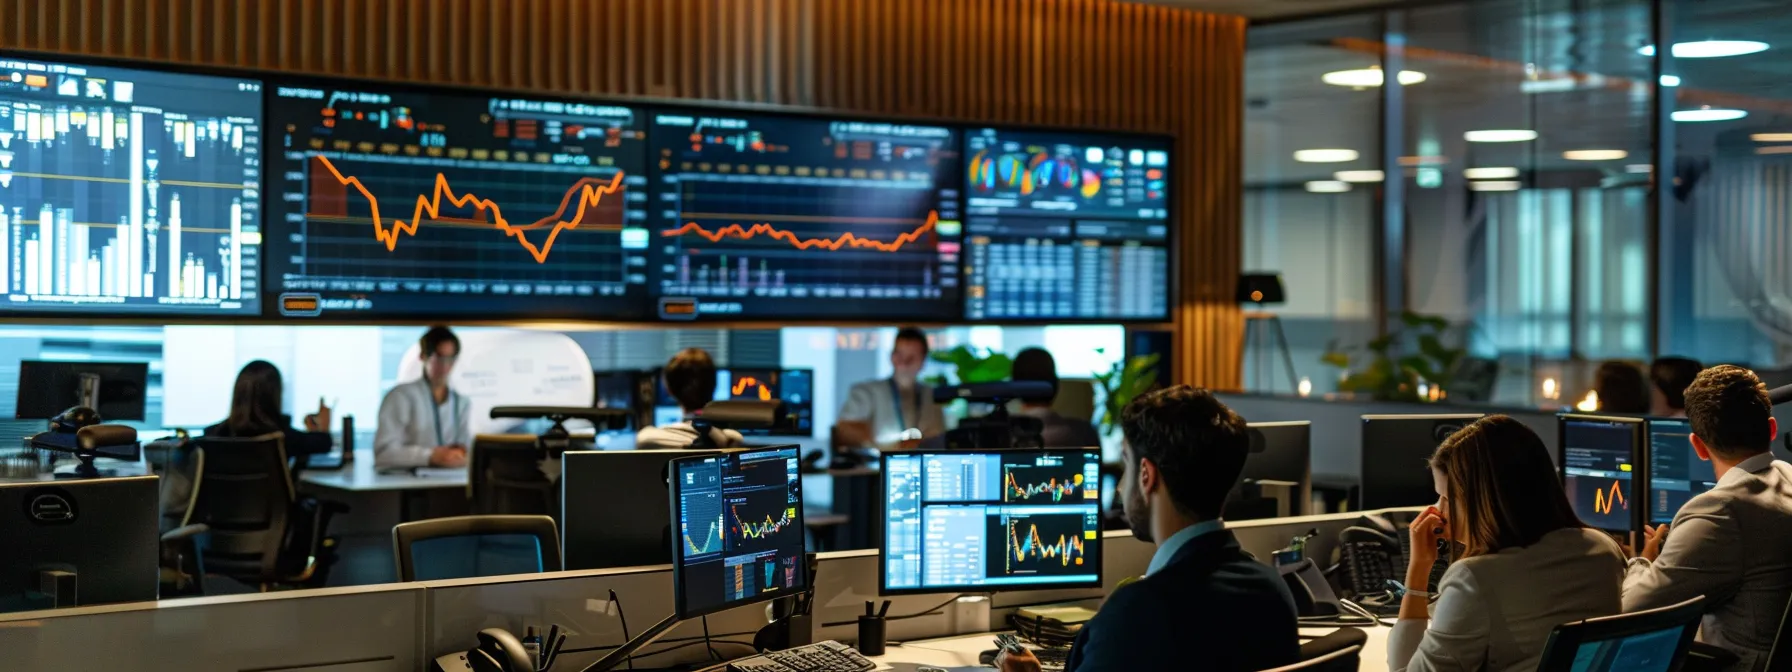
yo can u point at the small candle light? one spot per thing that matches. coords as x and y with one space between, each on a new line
1306 387
1589 404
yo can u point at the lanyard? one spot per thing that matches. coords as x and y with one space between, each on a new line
437 410
896 397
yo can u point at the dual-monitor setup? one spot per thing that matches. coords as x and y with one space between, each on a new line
1624 473
163 192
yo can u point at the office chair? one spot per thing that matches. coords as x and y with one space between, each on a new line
1645 641
505 477
1339 651
259 530
472 546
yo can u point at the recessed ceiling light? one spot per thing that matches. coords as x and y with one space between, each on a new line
1771 137
1369 77
1494 186
1328 187
1358 176
1639 168
1709 114
1710 48
1494 173
1325 155
1594 154
1508 135
1670 80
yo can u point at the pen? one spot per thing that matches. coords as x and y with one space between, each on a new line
884 610
870 609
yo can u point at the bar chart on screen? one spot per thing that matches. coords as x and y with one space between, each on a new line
131 191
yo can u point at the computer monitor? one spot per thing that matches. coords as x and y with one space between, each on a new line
103 531
1600 459
129 192
1395 457
1066 226
49 388
612 507
1676 474
1650 641
766 216
977 521
740 522
1280 453
795 387
395 201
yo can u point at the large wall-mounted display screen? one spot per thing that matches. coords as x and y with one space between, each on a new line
1066 226
128 192
400 202
807 218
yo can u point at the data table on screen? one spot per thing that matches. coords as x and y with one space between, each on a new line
1065 226
398 202
768 216
126 191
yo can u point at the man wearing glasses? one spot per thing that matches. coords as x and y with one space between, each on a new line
422 422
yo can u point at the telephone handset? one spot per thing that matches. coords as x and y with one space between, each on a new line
498 651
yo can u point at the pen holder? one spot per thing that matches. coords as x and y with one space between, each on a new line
871 635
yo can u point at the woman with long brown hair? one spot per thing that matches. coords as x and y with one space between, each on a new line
257 408
1524 562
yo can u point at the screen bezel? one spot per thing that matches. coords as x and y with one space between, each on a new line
883 565
1172 237
106 313
1639 464
674 488
1649 474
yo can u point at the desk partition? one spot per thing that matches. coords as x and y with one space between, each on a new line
404 626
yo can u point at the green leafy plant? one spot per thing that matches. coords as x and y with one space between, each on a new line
1122 383
1390 368
973 365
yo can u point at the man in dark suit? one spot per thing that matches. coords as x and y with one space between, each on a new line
1035 364
1203 603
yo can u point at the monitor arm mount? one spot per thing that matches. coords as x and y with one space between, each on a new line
79 432
557 440
732 414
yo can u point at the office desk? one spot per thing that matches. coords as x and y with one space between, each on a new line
962 651
413 487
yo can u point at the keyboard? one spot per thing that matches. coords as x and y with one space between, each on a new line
828 656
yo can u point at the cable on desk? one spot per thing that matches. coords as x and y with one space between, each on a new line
712 649
926 612
688 640
623 616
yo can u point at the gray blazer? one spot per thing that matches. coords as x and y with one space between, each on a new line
1734 546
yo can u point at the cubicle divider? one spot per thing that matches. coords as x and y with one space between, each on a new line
404 626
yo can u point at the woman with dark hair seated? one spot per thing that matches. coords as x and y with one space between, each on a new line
256 409
1524 564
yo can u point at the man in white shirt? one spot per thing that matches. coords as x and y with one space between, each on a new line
1732 544
423 423
881 412
690 377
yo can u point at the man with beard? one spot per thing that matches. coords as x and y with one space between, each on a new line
1202 598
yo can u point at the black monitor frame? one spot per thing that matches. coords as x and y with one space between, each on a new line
1639 463
604 526
1650 461
33 373
883 566
1437 426
679 597
1267 463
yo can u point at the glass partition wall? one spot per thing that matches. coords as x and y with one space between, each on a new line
1493 206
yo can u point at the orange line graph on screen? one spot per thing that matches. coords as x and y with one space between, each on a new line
847 240
589 193
747 383
1021 547
1602 502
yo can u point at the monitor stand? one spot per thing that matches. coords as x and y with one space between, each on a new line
616 656
58 586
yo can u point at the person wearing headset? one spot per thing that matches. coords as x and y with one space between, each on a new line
895 411
424 423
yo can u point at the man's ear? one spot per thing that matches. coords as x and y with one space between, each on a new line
1773 431
1698 446
1149 478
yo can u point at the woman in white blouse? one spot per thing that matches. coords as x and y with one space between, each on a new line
1525 562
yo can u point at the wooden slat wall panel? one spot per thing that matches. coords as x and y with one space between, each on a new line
1095 63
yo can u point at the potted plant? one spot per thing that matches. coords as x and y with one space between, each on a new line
1125 381
1384 370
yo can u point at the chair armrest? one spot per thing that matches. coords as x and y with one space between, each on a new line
185 532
